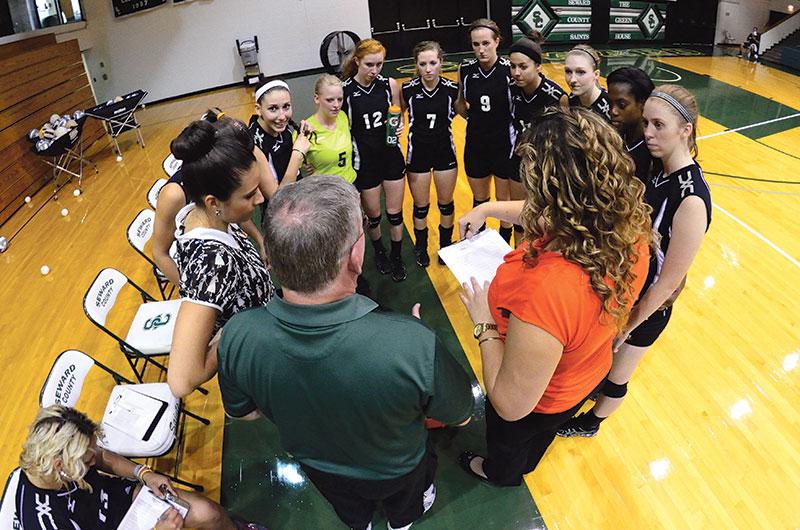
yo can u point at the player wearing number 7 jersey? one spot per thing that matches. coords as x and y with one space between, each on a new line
430 100
331 151
485 100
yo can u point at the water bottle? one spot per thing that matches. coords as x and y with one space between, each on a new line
392 123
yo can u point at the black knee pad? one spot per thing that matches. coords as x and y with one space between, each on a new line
421 212
447 209
476 202
395 219
374 222
614 390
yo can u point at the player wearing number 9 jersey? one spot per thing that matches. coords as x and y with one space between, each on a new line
485 100
430 100
331 151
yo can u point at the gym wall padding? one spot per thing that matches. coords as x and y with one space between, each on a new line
38 78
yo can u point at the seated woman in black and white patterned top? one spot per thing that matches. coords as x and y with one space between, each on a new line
222 272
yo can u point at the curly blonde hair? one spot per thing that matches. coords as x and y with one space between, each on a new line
584 201
59 433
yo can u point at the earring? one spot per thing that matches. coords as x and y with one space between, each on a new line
62 474
217 212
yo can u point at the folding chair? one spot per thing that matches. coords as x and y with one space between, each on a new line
140 420
64 153
171 165
139 233
152 193
120 116
150 332
8 504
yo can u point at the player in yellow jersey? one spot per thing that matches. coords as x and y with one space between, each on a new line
331 151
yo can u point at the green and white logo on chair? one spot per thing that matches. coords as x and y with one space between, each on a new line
157 321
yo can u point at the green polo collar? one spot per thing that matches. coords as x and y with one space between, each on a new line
345 310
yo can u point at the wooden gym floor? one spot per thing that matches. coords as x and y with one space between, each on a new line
709 436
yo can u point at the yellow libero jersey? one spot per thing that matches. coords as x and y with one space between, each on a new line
331 152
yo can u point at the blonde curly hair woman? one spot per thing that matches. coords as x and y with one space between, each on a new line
546 323
60 486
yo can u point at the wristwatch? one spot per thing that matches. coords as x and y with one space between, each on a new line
481 328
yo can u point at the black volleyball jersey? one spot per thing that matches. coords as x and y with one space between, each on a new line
645 164
665 193
488 93
367 107
277 149
430 113
75 509
601 105
524 107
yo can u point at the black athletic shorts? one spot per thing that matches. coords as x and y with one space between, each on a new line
355 500
488 155
375 162
515 163
426 154
648 331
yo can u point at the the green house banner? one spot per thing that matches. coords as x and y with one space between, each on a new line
556 20
637 21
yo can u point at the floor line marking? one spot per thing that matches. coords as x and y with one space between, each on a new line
760 236
737 129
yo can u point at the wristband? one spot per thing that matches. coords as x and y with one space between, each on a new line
301 154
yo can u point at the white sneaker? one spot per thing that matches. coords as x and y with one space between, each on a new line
427 501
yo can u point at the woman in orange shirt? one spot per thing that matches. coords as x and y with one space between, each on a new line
546 323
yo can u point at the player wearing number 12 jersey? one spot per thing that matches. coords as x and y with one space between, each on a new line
367 98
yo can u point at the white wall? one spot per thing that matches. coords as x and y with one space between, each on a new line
177 49
739 17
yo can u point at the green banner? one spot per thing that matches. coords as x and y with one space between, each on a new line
556 20
637 21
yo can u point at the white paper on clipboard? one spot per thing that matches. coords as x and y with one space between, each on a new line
146 510
478 256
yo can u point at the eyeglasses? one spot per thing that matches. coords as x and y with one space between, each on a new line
364 226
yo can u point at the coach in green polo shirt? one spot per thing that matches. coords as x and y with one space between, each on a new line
347 383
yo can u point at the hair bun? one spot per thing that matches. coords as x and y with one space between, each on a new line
194 142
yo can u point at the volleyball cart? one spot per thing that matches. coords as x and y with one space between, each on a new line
63 153
119 115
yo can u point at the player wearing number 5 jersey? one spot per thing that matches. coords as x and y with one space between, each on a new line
331 151
367 98
485 100
430 100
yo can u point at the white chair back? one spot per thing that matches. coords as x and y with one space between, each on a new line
100 297
8 505
64 383
171 165
155 189
141 229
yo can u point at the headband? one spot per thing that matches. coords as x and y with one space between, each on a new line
269 86
490 28
586 52
675 104
527 48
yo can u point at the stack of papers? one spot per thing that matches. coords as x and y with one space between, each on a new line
478 256
146 510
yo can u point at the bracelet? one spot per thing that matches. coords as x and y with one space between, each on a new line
488 339
136 470
301 154
145 470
